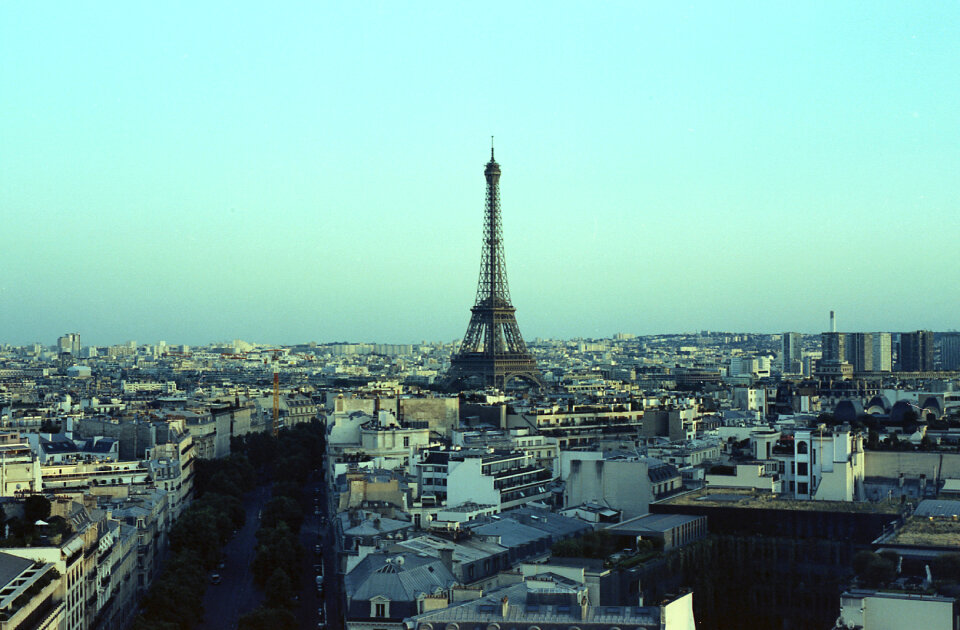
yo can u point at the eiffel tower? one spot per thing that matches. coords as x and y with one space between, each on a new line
492 352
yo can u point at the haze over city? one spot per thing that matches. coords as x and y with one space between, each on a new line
315 172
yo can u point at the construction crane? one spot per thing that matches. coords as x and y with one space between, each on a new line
276 397
276 388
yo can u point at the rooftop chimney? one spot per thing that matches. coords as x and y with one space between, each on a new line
446 556
504 606
833 322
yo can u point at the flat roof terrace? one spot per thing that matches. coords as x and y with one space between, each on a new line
757 499
928 532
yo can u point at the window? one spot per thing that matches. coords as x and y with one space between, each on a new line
802 448
380 610
802 488
406 441
802 468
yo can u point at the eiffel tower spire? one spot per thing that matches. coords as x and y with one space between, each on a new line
493 351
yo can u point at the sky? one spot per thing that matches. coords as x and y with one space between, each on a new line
291 172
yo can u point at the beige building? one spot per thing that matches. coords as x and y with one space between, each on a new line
20 470
31 594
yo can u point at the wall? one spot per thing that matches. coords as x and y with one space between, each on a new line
465 482
622 485
442 414
912 464
747 476
896 613
678 614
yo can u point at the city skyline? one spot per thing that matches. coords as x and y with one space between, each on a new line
312 173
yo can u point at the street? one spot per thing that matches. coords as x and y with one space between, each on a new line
236 594
308 616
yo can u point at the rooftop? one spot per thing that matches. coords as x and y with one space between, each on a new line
756 499
928 531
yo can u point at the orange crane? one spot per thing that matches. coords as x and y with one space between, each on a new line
276 388
276 396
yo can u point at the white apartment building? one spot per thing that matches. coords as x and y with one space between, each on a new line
498 478
824 466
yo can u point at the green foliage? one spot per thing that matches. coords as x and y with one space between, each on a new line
176 597
946 567
874 570
196 531
49 426
143 623
279 590
36 507
599 544
264 618
278 548
290 489
283 509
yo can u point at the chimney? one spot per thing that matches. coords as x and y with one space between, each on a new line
833 322
446 556
504 606
584 606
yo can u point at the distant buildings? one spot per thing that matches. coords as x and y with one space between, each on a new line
916 351
950 351
791 356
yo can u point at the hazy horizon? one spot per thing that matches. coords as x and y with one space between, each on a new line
214 171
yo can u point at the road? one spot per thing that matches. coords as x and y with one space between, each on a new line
310 537
236 595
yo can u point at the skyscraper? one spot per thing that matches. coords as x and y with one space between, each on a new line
860 351
69 344
950 351
916 351
882 352
791 353
834 346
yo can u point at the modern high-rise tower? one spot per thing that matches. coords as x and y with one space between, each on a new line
492 351
916 351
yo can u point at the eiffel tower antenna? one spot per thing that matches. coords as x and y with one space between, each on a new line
492 351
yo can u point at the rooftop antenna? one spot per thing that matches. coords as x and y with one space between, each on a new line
491 148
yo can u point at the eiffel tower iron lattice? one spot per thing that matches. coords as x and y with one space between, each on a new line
493 351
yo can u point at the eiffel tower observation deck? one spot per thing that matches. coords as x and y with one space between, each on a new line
492 352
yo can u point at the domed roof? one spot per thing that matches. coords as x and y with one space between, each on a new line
878 405
848 410
899 410
932 405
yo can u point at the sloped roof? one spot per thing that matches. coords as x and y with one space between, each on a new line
11 566
397 577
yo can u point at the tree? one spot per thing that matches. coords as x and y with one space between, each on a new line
874 570
279 590
946 567
36 508
196 530
264 618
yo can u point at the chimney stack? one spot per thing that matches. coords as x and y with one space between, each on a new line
446 556
504 606
833 322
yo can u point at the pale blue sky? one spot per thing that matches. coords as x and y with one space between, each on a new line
287 172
